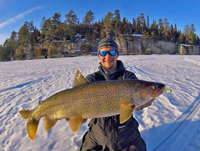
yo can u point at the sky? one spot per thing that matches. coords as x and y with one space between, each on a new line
15 12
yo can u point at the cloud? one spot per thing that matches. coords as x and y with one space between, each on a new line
3 37
18 17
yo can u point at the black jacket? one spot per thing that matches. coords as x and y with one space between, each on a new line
108 132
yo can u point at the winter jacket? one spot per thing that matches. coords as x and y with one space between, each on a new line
107 133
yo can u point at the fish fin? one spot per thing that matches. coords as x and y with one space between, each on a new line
31 127
25 113
125 112
75 123
79 79
48 123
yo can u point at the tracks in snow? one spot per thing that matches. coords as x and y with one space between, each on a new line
183 134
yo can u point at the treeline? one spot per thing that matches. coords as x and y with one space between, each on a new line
71 30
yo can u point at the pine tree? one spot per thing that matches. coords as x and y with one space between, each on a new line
138 28
192 36
181 38
134 26
186 32
172 35
176 34
88 20
71 21
44 27
154 31
166 29
108 24
24 36
142 22
160 31
116 22
125 29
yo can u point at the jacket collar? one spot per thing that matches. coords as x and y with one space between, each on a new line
120 67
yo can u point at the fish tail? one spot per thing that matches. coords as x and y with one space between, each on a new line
32 123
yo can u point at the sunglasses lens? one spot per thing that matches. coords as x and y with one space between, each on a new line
103 53
112 52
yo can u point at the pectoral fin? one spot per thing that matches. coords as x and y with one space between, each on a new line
75 123
48 123
125 112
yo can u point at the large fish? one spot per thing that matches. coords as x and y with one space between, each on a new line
91 100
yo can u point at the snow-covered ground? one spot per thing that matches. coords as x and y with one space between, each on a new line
171 123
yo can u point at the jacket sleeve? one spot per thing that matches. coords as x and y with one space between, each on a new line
129 75
90 78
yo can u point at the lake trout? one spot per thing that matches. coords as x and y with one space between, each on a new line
91 100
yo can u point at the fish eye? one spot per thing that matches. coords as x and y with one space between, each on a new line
153 87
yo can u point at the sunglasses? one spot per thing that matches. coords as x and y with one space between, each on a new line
111 53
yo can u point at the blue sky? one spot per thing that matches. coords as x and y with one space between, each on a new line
15 12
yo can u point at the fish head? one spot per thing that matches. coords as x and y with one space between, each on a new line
146 91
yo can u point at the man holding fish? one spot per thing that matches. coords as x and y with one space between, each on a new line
107 133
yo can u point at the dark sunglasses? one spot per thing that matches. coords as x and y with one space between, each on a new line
111 53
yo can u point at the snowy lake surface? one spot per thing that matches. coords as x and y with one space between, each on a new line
172 122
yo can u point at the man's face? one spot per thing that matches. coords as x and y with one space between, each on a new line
108 62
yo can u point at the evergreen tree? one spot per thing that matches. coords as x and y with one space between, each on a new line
181 38
24 35
108 24
11 44
160 31
53 29
116 22
134 26
171 34
192 36
166 29
4 54
71 21
186 32
45 26
88 20
138 27
176 34
125 29
198 41
57 27
154 31
142 22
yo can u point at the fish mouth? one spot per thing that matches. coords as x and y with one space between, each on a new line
158 91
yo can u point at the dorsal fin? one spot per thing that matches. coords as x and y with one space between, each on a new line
79 79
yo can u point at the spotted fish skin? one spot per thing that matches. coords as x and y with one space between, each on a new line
91 100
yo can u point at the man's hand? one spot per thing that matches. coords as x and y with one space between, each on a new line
145 105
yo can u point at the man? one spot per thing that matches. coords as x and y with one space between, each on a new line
107 134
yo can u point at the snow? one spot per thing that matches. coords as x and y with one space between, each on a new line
172 122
